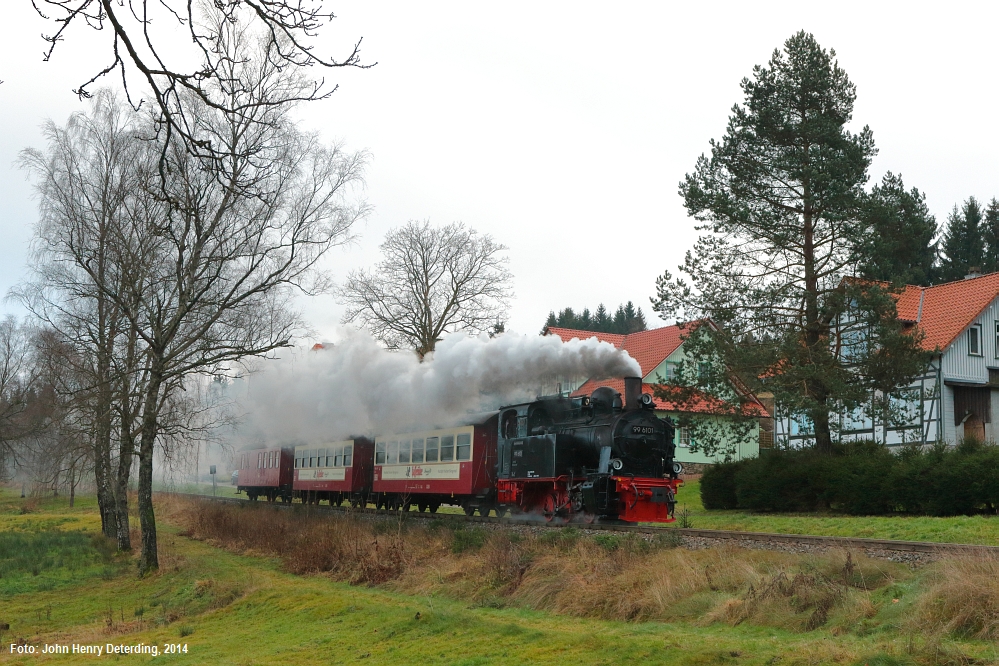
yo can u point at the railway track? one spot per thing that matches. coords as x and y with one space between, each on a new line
746 538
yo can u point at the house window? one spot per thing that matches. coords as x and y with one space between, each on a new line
975 341
997 340
683 437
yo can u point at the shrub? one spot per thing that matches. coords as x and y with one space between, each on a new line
861 478
718 485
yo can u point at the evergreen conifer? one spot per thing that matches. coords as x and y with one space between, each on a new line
963 248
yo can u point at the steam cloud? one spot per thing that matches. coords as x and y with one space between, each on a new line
358 388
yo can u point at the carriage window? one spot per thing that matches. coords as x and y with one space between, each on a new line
379 453
464 446
260 461
274 458
321 460
348 454
313 459
392 453
337 458
404 451
417 456
331 457
447 448
298 462
431 449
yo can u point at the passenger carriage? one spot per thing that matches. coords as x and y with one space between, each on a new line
266 472
335 472
455 466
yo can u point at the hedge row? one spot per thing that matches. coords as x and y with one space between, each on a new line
860 479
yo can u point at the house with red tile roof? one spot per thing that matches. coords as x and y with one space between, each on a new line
958 394
659 352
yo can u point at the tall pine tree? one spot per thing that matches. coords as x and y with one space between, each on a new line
897 240
963 248
778 200
990 236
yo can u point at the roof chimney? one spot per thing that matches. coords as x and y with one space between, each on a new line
973 272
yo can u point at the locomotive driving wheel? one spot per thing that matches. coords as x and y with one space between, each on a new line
549 508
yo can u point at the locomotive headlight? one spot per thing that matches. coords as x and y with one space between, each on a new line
616 463
677 468
646 400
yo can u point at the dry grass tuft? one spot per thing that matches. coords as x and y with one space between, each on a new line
964 598
341 546
620 578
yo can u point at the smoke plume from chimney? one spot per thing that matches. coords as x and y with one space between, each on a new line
358 388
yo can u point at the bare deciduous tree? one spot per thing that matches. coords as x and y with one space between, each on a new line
175 51
16 384
88 182
433 280
199 267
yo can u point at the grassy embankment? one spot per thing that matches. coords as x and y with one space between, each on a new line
481 598
981 530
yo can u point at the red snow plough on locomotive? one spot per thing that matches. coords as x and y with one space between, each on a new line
588 458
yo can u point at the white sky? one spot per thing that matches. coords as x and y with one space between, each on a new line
563 129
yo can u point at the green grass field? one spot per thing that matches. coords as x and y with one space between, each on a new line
982 530
243 609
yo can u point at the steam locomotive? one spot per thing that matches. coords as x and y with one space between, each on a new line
584 458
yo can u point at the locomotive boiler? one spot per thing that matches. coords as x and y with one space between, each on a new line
586 458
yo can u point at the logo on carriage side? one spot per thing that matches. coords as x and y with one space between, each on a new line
642 430
428 472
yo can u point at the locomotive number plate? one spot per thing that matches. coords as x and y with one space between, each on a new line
642 430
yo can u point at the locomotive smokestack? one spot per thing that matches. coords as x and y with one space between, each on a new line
632 393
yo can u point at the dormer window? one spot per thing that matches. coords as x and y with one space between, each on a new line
975 341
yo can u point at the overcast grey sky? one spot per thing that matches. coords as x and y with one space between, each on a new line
563 129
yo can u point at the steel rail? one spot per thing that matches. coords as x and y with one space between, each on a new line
730 535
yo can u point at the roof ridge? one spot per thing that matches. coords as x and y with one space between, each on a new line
962 280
